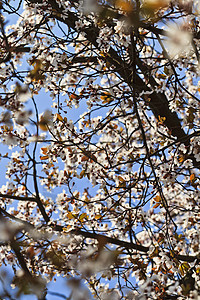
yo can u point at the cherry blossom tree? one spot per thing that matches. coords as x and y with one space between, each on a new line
101 188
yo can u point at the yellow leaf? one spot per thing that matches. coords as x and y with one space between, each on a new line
82 174
97 217
65 229
157 199
35 74
121 179
156 205
181 159
43 126
185 266
122 184
70 216
44 157
153 5
44 150
192 177
73 96
59 117
76 195
124 5
161 76
106 97
102 53
181 270
82 216
198 271
84 158
161 119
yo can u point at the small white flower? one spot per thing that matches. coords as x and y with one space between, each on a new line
179 41
6 118
22 117
188 163
90 6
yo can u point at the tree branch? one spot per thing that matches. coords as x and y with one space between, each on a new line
158 102
121 243
7 196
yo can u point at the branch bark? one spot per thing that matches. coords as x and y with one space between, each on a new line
124 244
